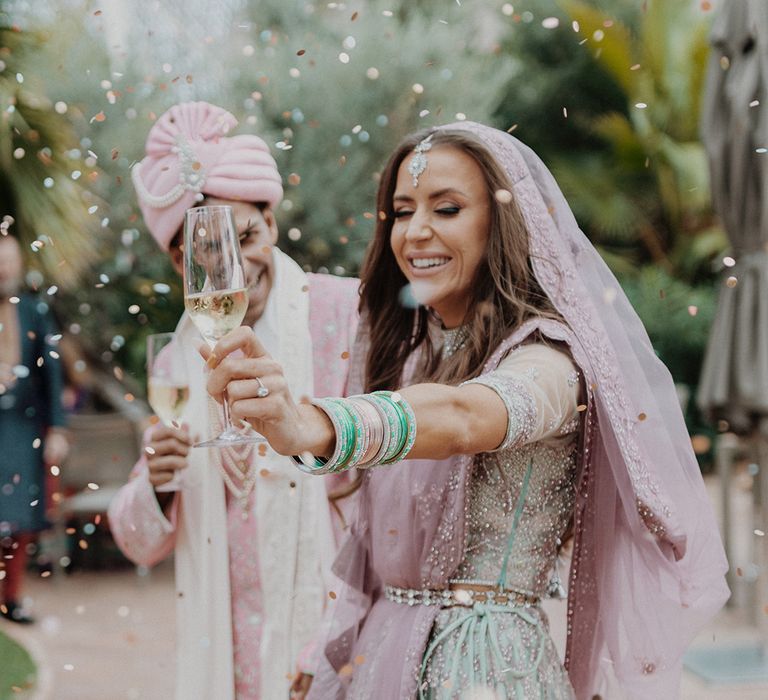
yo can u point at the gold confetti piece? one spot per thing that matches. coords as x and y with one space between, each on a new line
82 544
739 572
641 417
581 407
355 15
343 239
115 154
367 215
345 355
100 117
345 670
97 13
359 660
731 282
332 595
262 449
301 52
392 532
129 397
294 179
382 216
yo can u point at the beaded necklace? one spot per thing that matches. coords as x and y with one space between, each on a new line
236 466
454 339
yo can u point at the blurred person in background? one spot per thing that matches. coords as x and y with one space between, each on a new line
32 433
253 539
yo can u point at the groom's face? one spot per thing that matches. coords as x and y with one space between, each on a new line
257 230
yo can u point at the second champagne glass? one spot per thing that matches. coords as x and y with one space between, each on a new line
215 293
167 387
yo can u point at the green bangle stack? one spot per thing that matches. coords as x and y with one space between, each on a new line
371 429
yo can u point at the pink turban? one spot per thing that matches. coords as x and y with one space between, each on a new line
189 156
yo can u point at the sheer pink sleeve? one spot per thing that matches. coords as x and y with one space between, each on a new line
539 386
140 528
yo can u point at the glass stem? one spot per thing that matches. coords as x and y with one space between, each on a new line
227 418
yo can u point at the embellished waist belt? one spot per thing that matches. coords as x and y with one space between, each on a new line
457 596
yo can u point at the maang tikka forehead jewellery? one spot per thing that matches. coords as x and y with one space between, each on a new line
418 163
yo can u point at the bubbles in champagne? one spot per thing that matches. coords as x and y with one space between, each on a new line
217 313
167 400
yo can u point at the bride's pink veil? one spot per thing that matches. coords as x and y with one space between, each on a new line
649 564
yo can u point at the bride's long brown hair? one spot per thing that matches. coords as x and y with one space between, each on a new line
504 292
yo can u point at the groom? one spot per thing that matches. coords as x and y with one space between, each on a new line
253 538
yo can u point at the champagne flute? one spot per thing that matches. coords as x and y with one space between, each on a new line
215 294
167 387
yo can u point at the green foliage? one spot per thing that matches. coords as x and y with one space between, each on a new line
556 88
648 186
17 671
41 169
678 317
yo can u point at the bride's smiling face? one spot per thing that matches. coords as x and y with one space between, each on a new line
441 229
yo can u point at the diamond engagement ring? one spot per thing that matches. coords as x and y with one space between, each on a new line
262 391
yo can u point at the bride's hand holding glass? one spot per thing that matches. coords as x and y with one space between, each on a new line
255 387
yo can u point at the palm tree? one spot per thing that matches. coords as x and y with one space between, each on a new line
42 171
647 193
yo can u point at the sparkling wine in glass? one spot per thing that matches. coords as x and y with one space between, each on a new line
167 387
215 294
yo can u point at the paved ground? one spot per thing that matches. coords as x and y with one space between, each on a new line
109 635
102 635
